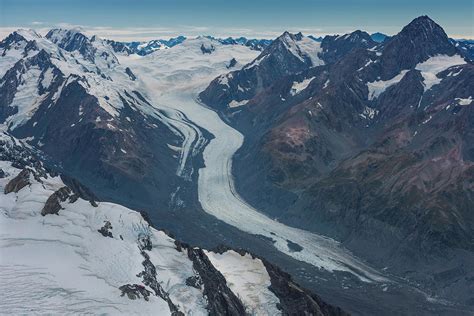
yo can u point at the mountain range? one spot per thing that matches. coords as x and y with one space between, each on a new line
346 160
372 147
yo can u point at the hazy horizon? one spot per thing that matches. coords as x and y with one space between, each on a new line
145 20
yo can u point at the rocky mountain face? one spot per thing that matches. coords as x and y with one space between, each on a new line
417 42
68 96
288 54
336 47
116 262
466 48
372 146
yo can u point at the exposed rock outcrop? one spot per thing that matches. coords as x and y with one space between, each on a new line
221 300
105 230
134 291
149 279
53 204
19 182
295 300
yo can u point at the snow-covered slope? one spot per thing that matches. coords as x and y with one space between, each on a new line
67 93
183 68
62 253
286 55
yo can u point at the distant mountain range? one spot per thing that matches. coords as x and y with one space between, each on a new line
145 48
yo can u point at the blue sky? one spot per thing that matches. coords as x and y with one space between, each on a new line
146 19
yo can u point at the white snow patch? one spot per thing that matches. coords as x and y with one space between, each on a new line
376 88
367 64
248 279
311 49
427 120
224 79
256 62
27 98
326 84
48 77
464 101
369 113
434 65
235 104
297 87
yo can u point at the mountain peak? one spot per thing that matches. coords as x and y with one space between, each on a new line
292 36
356 36
27 34
379 37
59 34
72 40
337 46
421 39
424 28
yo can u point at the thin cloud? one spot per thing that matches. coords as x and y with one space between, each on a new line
150 33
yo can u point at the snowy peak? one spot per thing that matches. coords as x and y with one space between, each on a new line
18 37
67 39
28 34
286 55
21 41
72 40
296 49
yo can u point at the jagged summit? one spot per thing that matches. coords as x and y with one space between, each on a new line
423 23
63 35
420 39
287 54
336 46
297 47
28 34
71 40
